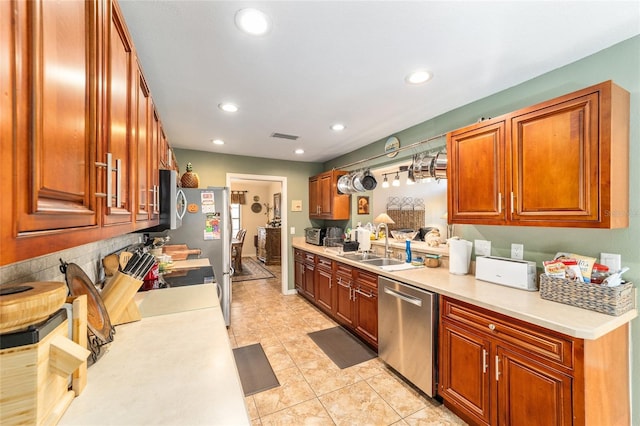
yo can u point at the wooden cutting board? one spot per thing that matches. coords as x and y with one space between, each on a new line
29 303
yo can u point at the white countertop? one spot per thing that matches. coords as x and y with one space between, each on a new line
521 304
174 367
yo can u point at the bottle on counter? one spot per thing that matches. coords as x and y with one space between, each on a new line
408 250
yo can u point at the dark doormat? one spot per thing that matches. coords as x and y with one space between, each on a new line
343 348
256 374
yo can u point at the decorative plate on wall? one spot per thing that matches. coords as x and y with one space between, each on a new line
256 207
391 146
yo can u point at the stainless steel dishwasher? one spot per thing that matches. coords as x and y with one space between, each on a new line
407 327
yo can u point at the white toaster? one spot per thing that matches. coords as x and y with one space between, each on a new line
505 271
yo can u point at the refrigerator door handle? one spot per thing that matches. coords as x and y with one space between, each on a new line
219 291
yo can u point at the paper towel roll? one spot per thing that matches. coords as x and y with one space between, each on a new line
459 256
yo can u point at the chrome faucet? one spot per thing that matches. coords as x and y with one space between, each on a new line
386 237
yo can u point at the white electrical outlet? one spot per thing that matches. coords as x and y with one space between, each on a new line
517 251
613 261
483 247
293 230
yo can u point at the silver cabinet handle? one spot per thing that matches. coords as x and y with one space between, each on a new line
367 295
109 180
402 296
118 183
497 368
484 361
499 202
105 166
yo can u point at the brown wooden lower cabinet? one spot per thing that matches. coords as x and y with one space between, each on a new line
498 370
349 295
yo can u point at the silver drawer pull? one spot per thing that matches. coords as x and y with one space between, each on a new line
367 295
402 296
492 327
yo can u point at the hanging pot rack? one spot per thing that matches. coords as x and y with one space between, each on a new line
404 148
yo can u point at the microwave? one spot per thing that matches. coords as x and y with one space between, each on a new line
315 236
171 202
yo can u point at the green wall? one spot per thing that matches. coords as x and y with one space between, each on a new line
620 63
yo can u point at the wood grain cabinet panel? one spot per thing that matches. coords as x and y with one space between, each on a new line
269 245
119 144
365 295
144 166
324 200
498 370
344 307
563 163
324 284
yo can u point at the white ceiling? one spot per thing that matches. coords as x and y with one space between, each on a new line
345 61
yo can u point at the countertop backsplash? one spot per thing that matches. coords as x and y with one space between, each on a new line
47 267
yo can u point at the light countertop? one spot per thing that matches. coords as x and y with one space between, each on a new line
521 304
174 367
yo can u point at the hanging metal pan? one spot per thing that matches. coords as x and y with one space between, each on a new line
344 184
368 181
356 181
439 170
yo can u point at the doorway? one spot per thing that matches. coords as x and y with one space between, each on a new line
235 180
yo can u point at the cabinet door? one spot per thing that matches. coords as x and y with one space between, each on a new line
324 286
344 308
299 276
118 153
531 394
465 371
366 306
555 158
55 115
143 157
314 194
154 164
325 196
49 126
476 174
309 281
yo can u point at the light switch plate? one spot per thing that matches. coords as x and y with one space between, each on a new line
483 247
517 251
613 261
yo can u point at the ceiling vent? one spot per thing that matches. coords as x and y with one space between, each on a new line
284 136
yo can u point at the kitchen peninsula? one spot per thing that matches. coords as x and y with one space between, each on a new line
589 351
175 366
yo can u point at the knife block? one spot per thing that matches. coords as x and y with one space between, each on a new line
118 297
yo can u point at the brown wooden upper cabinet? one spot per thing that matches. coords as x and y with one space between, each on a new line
563 163
78 131
324 200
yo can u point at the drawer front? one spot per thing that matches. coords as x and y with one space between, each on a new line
298 255
309 257
325 263
530 338
344 269
367 278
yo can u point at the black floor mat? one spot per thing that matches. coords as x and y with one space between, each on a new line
256 374
343 348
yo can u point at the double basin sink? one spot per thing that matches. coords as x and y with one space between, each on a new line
372 259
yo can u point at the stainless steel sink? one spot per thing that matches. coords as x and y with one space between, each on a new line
360 257
383 262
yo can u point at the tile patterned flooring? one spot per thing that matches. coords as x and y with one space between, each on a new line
313 390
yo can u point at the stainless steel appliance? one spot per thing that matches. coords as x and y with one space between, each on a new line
169 201
207 226
315 236
407 328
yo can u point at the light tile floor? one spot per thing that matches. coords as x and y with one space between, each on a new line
313 390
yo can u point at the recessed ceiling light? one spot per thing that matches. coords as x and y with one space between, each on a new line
418 77
218 142
227 107
338 127
299 151
253 21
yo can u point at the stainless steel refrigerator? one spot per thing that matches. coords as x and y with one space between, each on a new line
206 225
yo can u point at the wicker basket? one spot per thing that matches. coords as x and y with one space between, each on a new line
607 300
